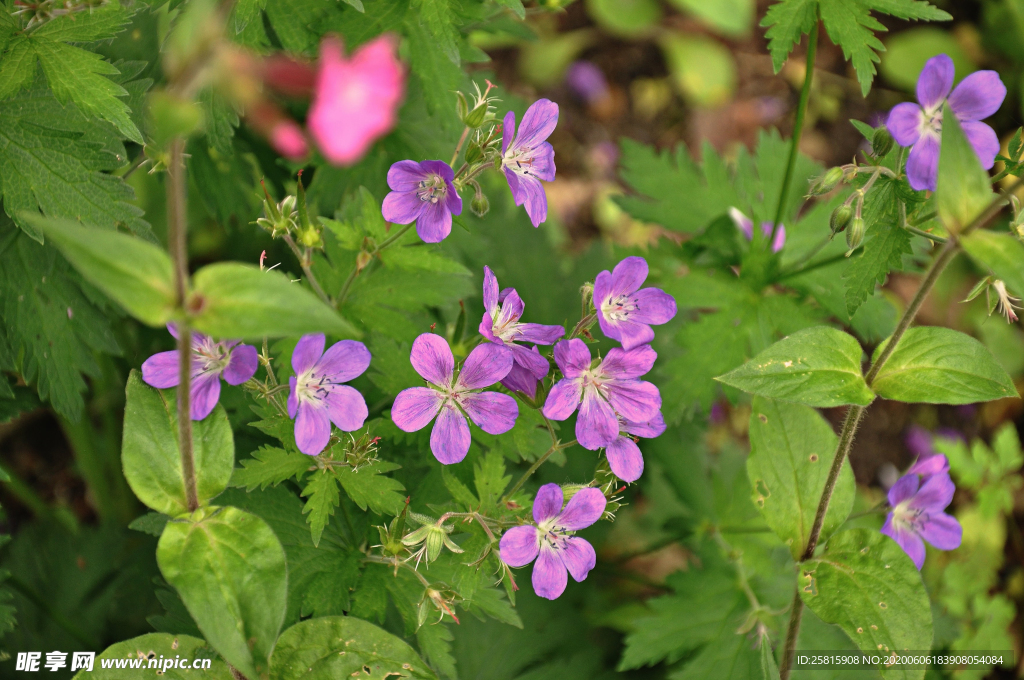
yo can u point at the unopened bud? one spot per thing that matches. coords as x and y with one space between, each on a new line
362 259
473 152
827 182
310 237
840 218
477 116
881 141
480 205
855 234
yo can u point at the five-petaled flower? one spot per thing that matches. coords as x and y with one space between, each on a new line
746 226
608 390
625 312
318 397
449 398
500 324
423 192
978 96
917 515
551 542
527 158
624 457
355 100
210 360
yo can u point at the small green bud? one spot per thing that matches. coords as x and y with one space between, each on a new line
840 218
881 141
473 152
461 106
855 235
497 163
827 182
477 116
480 205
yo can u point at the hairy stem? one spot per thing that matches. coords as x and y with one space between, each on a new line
458 147
792 630
343 294
798 125
304 262
177 240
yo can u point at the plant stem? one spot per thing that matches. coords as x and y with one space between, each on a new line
343 294
789 650
458 147
921 232
533 468
798 124
303 259
177 237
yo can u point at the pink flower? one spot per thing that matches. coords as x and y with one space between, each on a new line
288 140
355 99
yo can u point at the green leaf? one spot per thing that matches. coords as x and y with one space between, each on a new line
515 5
344 646
851 26
439 19
769 669
98 23
999 253
19 67
151 523
791 451
135 273
490 479
155 646
240 301
935 365
818 366
435 641
322 491
269 466
964 189
229 569
883 252
787 21
150 455
729 17
369 488
247 11
918 10
866 584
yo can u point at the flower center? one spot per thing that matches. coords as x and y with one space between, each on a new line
619 308
432 189
520 161
552 535
505 328
209 357
312 387
905 517
931 121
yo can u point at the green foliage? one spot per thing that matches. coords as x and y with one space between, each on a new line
369 488
156 646
322 492
964 189
269 466
150 454
941 366
998 253
229 568
818 367
884 249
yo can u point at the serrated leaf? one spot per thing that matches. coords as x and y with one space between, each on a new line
866 584
963 189
909 9
934 365
323 495
368 487
329 593
98 23
439 19
883 252
435 644
787 21
247 11
515 5
459 491
817 366
850 25
490 479
269 466
18 67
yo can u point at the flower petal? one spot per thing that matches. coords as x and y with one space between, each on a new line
402 207
634 400
242 365
549 574
541 334
904 488
490 291
438 168
780 238
293 401
486 364
582 510
572 357
344 361
935 81
511 309
452 200
742 222
978 96
908 540
563 399
935 494
519 546
538 123
904 123
655 306
434 223
633 334
522 380
307 350
346 407
625 459
415 407
529 359
596 424
942 531
312 429
984 141
547 503
648 430
203 395
624 364
923 164
578 556
432 358
508 131
449 440
161 370
536 200
515 186
543 166
929 465
405 176
628 276
493 412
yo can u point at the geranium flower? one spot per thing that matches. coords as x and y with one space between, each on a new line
624 457
551 542
422 192
500 324
919 126
624 311
608 390
355 100
746 225
527 158
211 360
929 461
917 515
318 397
452 400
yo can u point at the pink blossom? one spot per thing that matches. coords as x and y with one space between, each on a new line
356 99
288 140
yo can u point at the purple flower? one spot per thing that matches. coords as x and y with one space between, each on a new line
210 360
624 455
626 312
978 96
527 158
500 324
448 399
318 398
423 192
746 225
608 390
917 513
586 81
929 461
560 553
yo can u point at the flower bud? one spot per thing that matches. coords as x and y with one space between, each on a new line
827 182
480 205
840 218
855 235
362 259
881 141
473 152
309 237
